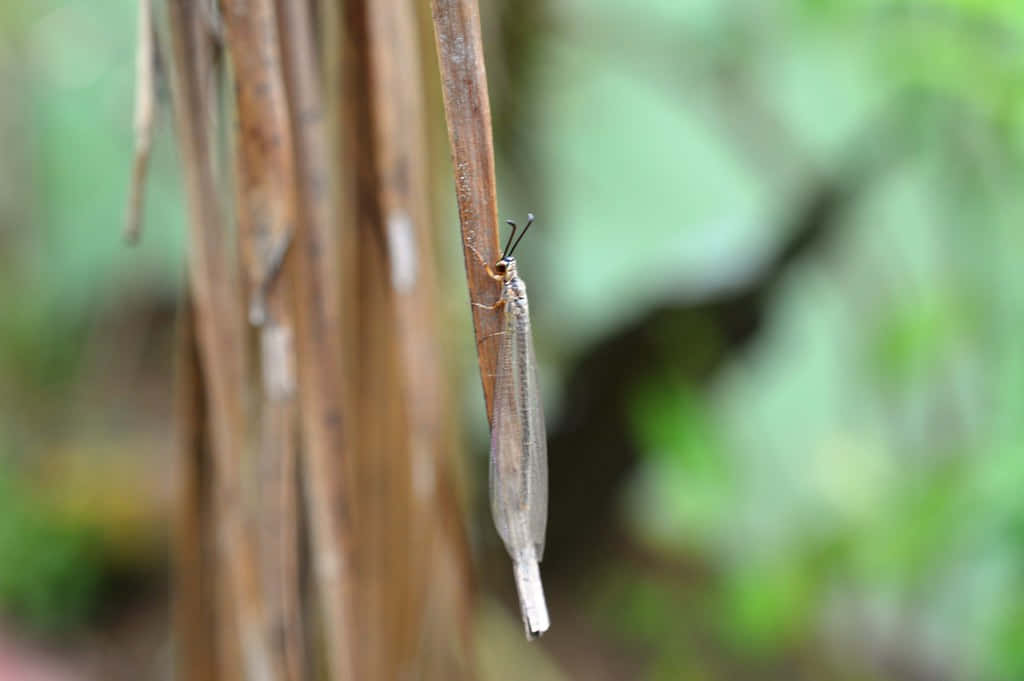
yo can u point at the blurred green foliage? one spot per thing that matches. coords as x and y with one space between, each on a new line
66 71
51 566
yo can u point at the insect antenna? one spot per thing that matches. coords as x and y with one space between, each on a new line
529 221
511 236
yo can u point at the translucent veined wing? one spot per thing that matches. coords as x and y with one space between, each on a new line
508 493
536 445
518 441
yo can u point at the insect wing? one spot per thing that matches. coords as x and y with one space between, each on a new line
519 475
506 488
535 446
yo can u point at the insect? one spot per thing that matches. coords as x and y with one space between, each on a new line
519 466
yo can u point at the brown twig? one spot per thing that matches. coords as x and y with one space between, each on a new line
264 160
194 622
468 113
401 271
375 372
326 443
266 219
145 118
219 328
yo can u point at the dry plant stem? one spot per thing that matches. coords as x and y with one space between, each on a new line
468 113
264 160
396 106
383 258
408 553
145 118
266 218
446 653
219 327
326 443
372 371
194 621
276 507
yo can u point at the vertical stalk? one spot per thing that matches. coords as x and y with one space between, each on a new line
145 118
219 328
194 617
338 268
467 108
392 296
265 178
322 207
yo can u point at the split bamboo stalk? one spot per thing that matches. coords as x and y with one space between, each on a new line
219 328
264 185
399 147
373 370
323 205
358 398
391 299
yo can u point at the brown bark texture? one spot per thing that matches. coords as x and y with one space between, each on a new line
318 533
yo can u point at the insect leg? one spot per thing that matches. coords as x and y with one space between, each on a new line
490 335
490 272
498 303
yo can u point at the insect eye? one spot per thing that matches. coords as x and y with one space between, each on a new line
501 268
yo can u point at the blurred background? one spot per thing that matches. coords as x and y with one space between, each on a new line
777 299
